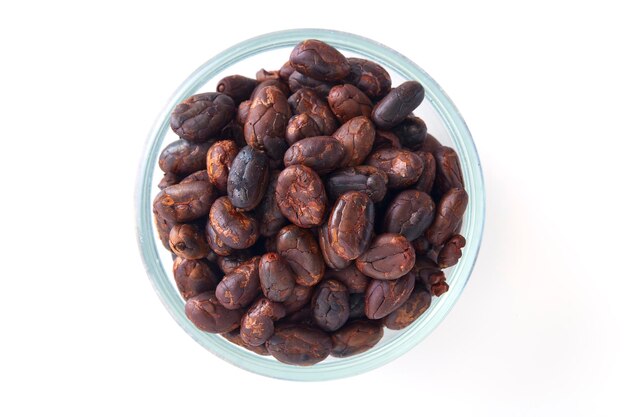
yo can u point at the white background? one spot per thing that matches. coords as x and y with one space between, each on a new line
539 330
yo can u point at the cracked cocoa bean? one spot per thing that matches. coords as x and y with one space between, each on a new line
323 154
357 137
296 344
219 159
257 324
267 118
348 102
298 81
231 262
182 158
351 225
356 337
449 173
398 104
351 277
330 305
182 203
268 213
369 77
240 287
383 297
196 176
188 241
390 256
234 336
427 179
410 213
248 178
193 277
216 244
332 259
300 297
276 277
300 249
411 310
242 112
451 252
301 196
385 139
202 116
207 314
448 217
319 60
403 168
301 126
238 230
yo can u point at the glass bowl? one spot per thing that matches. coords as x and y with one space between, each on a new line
270 51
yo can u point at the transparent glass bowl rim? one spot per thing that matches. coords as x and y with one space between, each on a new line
473 226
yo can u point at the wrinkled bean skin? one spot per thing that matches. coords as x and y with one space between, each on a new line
183 158
231 262
207 314
357 305
234 336
188 241
403 168
319 60
267 118
298 81
196 176
240 287
242 112
427 179
202 116
386 139
383 297
277 278
409 214
264 75
300 297
369 77
169 178
411 310
351 224
219 159
238 230
397 104
351 277
285 71
182 203
449 174
357 137
299 248
301 126
271 219
389 257
323 154
257 325
411 132
348 102
428 273
236 87
369 180
332 259
356 337
193 277
296 344
448 217
284 88
248 178
451 252
216 244
307 101
301 196
330 304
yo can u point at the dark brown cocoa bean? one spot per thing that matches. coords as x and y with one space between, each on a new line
183 158
169 178
216 244
348 102
402 167
369 77
257 324
411 132
276 277
410 213
351 225
351 277
356 337
236 87
397 104
383 297
219 159
182 203
240 287
330 305
301 126
207 314
357 137
448 217
231 262
242 112
357 305
271 219
427 179
301 196
300 249
202 116
323 154
238 230
389 257
451 252
300 297
319 60
234 336
449 173
267 118
367 179
298 81
188 241
386 139
296 344
193 277
307 101
411 310
248 178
